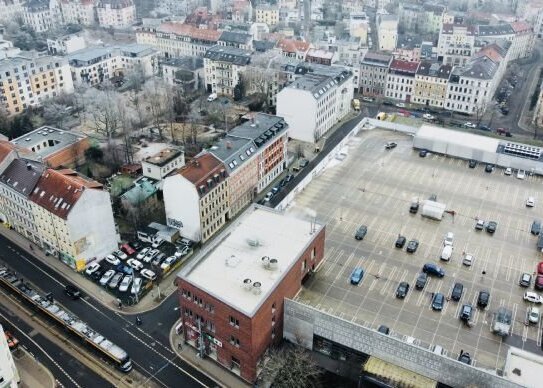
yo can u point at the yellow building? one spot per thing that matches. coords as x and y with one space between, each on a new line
267 14
431 84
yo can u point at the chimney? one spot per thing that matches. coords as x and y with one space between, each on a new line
229 144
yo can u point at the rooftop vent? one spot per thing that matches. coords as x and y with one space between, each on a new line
253 242
273 264
247 284
257 288
266 261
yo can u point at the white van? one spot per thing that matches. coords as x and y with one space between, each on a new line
212 97
446 253
438 350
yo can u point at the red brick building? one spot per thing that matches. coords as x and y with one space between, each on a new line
232 297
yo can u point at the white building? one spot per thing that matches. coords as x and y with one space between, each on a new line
116 13
9 375
314 103
162 163
171 68
66 44
42 15
11 9
387 32
94 65
401 80
78 12
456 44
359 26
222 68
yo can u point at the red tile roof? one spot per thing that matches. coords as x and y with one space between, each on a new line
202 168
406 66
521 27
7 147
491 52
191 31
292 45
59 190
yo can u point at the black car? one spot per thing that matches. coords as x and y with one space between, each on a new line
483 299
388 103
423 153
288 178
464 357
438 301
390 145
491 227
525 280
422 279
414 208
504 110
400 241
96 275
489 168
72 291
485 128
466 312
536 227
412 246
136 245
383 329
432 269
275 190
472 163
361 232
402 290
457 291
282 182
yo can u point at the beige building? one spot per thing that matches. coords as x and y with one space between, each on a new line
78 12
387 32
41 16
267 14
28 81
116 13
431 84
222 68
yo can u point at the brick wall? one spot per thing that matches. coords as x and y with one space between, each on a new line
69 156
254 335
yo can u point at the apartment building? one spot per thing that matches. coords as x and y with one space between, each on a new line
320 57
401 80
387 32
8 370
115 13
359 26
159 165
373 74
42 15
240 11
74 217
175 40
293 48
222 68
268 14
28 81
78 12
11 9
408 48
431 84
232 299
94 65
421 19
456 44
520 34
240 40
66 44
185 65
316 101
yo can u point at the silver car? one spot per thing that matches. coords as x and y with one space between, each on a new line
127 281
106 277
115 280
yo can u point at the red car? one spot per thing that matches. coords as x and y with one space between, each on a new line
540 268
127 249
538 285
12 341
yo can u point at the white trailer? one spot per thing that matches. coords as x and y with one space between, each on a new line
433 209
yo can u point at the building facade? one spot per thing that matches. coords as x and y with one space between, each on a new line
42 15
456 44
373 74
401 80
28 81
431 84
11 9
161 164
115 13
232 299
315 102
387 32
8 370
78 12
222 68
267 14
66 44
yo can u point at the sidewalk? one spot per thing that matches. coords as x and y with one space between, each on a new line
148 302
207 366
31 372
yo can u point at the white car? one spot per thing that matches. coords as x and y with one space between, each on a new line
470 125
136 264
508 171
268 196
480 225
521 174
468 260
92 268
106 277
182 252
532 297
428 116
151 255
157 243
449 238
121 255
400 105
136 286
530 202
367 99
167 263
113 260
533 315
127 281
148 274
143 253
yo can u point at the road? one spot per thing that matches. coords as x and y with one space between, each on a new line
69 371
147 345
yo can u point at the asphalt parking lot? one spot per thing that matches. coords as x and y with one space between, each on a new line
374 186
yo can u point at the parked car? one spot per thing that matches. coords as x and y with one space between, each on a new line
438 301
135 264
491 227
275 190
472 163
97 275
115 280
428 116
106 277
532 297
457 291
508 171
148 274
432 269
113 260
136 286
533 315
167 263
136 245
72 291
466 312
158 259
464 357
483 298
485 128
468 259
414 207
151 255
448 239
530 202
121 255
400 241
480 224
367 99
538 283
402 290
412 246
128 249
423 153
125 283
357 275
422 279
470 125
521 174
303 163
182 251
489 168
268 196
383 329
540 268
390 145
92 268
525 280
288 178
143 253
158 242
361 232
536 227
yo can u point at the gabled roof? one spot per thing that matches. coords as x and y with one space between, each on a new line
22 175
495 30
434 69
201 169
480 68
190 31
228 54
235 37
521 27
58 191
293 46
406 67
7 148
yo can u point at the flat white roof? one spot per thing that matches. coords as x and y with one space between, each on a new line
524 368
259 232
457 137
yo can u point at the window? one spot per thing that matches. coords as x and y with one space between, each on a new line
234 341
234 322
313 253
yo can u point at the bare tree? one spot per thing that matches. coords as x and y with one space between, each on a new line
135 78
103 111
54 113
291 366
157 102
137 102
